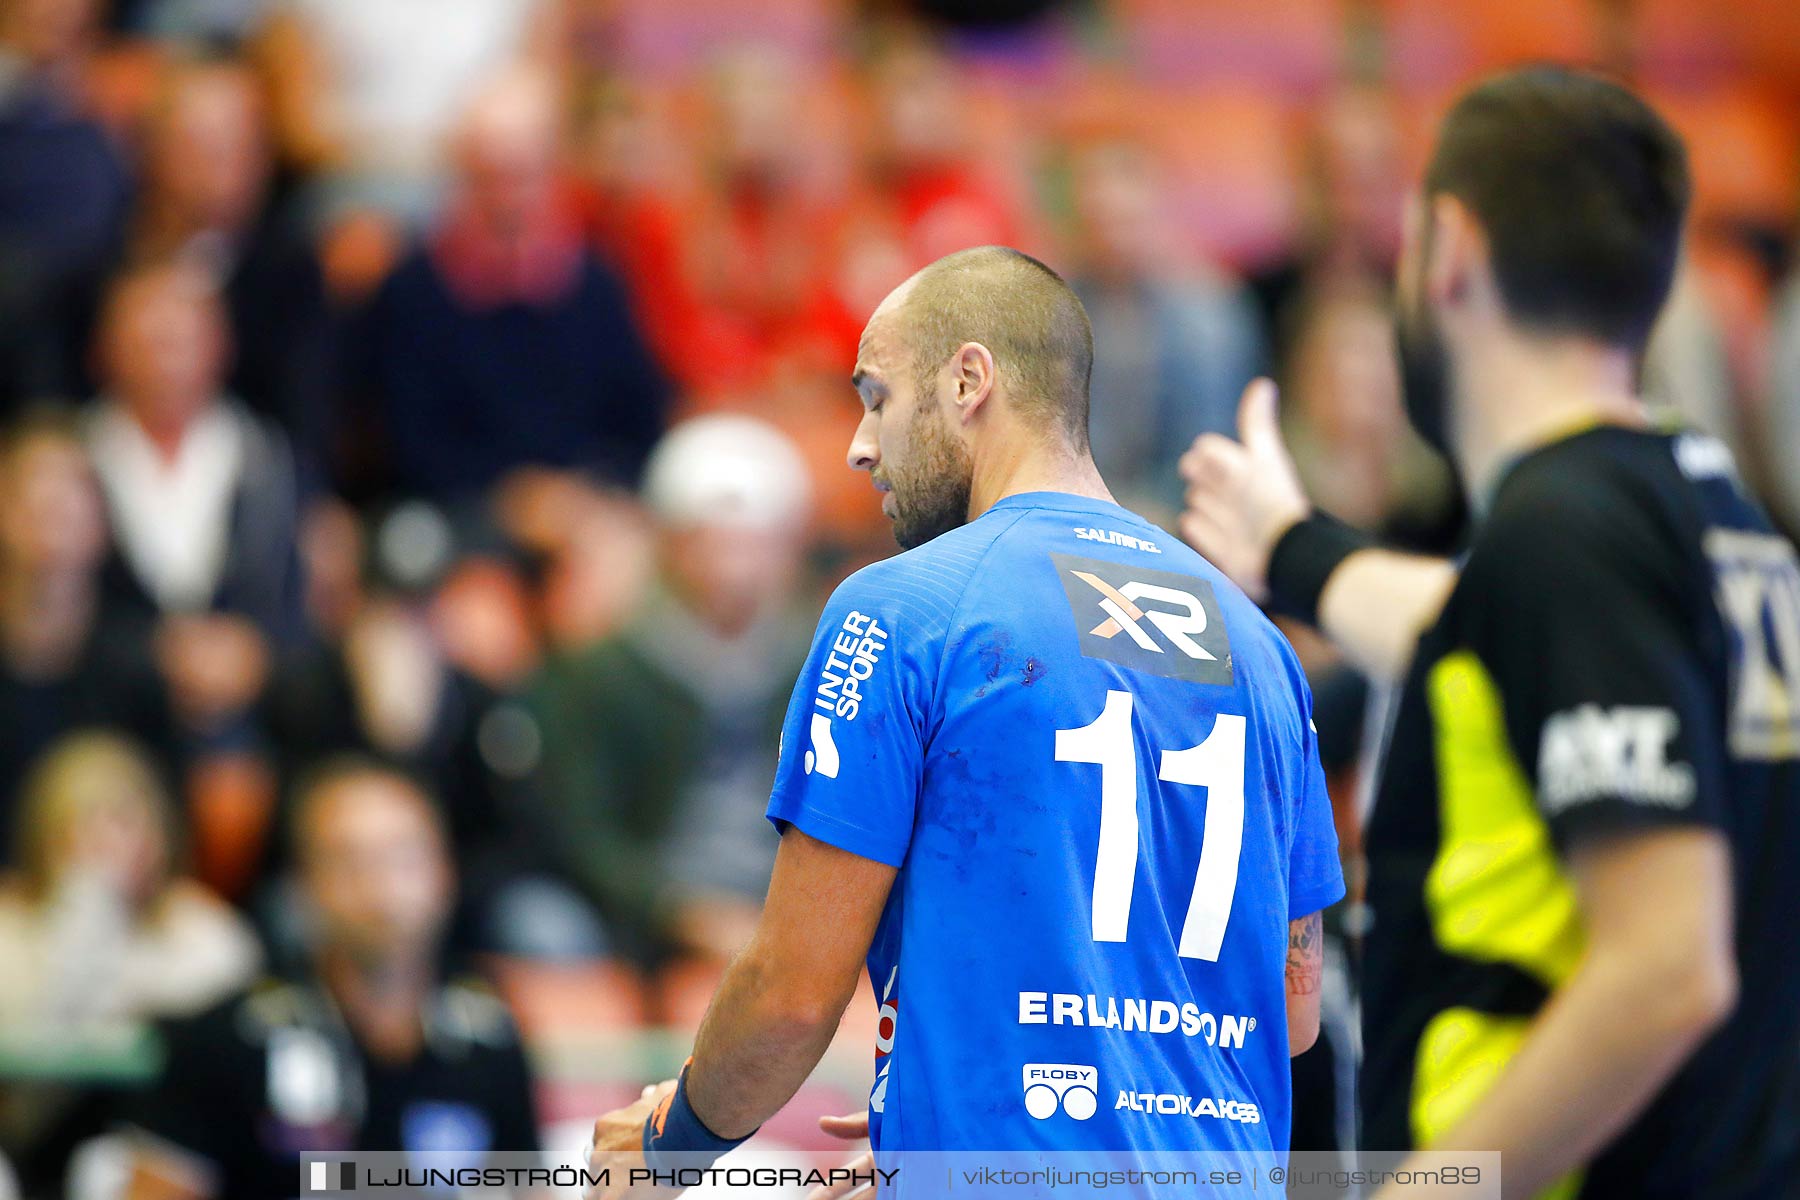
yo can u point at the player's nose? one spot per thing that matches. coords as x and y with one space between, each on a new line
865 451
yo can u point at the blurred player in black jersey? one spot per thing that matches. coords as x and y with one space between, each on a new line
1584 854
365 1048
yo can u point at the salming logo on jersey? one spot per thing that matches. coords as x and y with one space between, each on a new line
1153 621
1113 537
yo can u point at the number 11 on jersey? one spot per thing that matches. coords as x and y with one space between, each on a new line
1216 764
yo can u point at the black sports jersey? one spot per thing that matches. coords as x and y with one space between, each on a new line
255 1082
1621 650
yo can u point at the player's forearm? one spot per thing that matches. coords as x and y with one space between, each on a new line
1585 1072
1305 980
1377 603
764 1033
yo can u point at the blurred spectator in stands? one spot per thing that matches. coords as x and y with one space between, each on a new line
66 659
1345 422
621 191
1175 341
1343 418
484 616
1782 443
598 573
64 191
370 1047
923 192
502 342
366 95
206 201
98 926
918 191
1353 193
923 160
658 743
391 690
203 499
756 237
203 496
98 933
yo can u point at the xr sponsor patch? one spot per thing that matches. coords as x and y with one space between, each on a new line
1155 621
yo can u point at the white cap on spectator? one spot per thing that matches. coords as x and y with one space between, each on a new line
727 470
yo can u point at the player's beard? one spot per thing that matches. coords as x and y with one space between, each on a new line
1424 377
1424 362
931 495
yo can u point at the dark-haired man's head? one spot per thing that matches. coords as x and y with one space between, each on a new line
981 353
374 863
208 154
52 517
1553 207
164 343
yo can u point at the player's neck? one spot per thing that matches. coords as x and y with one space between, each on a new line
1020 467
1523 392
381 1002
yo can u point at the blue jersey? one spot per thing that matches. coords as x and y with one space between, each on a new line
1091 759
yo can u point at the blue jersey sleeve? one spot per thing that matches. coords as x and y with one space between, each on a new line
1315 877
853 743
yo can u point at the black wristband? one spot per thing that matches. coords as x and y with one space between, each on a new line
1304 558
674 1135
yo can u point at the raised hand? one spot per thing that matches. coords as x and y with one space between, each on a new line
1243 495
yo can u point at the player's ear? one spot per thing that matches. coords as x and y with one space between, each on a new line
972 367
1458 270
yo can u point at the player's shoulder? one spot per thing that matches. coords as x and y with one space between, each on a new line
1603 502
1609 477
1613 520
929 580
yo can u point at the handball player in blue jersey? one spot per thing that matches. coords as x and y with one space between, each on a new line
1047 776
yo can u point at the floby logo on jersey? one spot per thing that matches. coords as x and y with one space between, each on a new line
1153 621
1051 1086
849 665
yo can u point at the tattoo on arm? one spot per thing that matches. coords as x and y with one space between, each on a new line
1306 955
